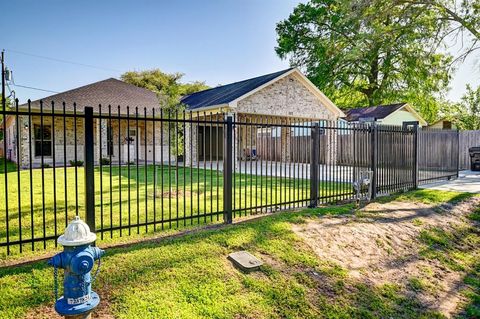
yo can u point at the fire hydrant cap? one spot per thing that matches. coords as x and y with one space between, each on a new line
77 233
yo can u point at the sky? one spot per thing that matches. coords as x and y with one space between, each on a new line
217 41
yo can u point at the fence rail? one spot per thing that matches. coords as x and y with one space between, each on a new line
130 171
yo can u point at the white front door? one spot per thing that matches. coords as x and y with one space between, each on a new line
131 145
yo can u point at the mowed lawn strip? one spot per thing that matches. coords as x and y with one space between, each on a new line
190 277
188 197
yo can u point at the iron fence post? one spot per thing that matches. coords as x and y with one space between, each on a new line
89 168
228 170
314 166
374 156
415 155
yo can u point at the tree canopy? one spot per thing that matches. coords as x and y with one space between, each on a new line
466 114
168 86
460 21
367 52
169 89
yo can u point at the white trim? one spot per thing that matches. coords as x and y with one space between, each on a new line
308 84
209 107
412 111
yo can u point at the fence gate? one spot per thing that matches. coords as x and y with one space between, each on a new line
395 158
438 155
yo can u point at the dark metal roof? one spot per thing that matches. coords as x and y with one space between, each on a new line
377 112
107 92
227 93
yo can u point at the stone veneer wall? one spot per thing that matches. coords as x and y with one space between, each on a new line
62 138
286 97
191 144
99 126
289 97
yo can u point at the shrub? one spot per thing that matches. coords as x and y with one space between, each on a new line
105 161
76 163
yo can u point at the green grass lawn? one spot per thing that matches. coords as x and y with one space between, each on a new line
188 198
190 277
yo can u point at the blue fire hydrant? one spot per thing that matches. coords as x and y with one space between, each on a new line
77 260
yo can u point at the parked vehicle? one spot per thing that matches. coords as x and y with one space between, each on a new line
474 158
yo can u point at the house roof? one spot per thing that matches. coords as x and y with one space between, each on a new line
107 92
377 112
227 93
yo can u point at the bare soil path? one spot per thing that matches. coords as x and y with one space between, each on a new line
386 243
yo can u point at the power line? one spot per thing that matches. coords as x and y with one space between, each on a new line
12 79
34 88
63 61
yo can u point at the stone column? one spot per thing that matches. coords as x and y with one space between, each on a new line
331 147
103 131
25 144
286 133
191 144
96 136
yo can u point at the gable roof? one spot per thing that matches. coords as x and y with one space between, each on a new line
107 92
378 112
227 93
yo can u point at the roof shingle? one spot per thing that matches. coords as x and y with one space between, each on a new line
227 93
377 112
107 92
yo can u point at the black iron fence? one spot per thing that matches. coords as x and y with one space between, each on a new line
130 171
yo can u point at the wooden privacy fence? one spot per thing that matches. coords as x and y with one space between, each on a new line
467 139
438 156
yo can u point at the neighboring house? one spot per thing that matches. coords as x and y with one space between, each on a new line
443 124
286 97
114 137
392 114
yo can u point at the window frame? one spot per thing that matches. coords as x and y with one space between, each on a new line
110 145
41 151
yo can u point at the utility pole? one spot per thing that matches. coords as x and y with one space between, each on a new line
4 106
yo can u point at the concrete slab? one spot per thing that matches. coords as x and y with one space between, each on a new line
467 182
245 261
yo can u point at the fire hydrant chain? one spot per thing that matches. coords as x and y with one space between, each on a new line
98 269
55 282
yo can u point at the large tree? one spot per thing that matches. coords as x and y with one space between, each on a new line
358 56
168 86
460 22
169 89
466 114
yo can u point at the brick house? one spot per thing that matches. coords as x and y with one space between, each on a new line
391 114
114 137
286 96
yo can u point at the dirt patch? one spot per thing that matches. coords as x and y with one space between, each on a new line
380 244
172 194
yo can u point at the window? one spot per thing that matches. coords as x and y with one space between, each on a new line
109 140
43 148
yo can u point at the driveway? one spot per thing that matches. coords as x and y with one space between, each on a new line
467 182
